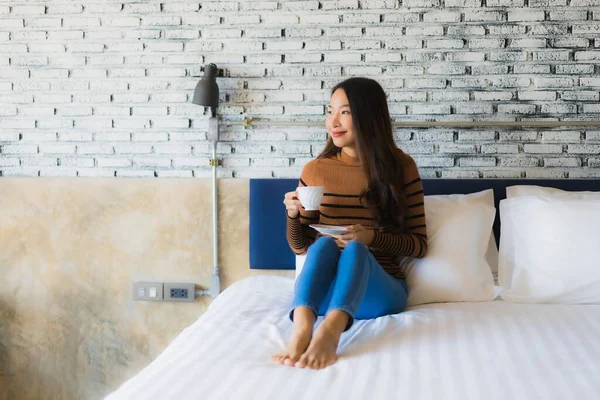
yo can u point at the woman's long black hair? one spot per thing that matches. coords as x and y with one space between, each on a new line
376 150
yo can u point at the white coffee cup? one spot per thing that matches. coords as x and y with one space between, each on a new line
310 196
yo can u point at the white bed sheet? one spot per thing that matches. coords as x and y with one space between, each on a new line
492 350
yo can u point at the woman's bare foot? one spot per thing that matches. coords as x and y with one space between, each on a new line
304 319
322 350
298 344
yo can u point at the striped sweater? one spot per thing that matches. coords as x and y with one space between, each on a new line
344 180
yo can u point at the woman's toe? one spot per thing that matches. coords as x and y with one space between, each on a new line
289 361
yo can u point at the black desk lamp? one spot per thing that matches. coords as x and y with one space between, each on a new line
207 94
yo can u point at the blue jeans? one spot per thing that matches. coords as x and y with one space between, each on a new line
350 280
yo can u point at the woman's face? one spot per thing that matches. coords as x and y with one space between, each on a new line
339 120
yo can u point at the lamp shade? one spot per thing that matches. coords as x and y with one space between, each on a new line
207 91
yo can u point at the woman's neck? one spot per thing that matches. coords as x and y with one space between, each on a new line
351 151
349 158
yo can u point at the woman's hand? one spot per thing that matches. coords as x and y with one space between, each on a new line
292 204
357 232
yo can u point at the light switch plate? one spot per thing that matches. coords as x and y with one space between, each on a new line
144 290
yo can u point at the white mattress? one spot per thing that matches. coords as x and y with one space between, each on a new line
493 350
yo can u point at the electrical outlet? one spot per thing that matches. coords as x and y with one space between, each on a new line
151 291
179 291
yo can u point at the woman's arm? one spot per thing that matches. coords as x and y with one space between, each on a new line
299 234
414 242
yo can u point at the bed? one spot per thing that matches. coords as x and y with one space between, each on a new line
453 350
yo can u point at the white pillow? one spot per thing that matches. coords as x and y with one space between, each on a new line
542 191
451 273
491 256
459 228
300 263
505 269
550 246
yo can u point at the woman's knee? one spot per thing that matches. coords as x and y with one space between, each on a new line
324 244
355 256
323 252
354 246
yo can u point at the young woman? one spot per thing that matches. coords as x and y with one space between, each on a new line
373 189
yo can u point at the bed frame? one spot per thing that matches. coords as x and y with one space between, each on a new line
268 244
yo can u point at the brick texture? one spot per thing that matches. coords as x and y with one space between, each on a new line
104 88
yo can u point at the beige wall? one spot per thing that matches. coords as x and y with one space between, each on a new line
70 249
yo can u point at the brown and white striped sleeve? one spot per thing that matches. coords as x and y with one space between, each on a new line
413 243
299 234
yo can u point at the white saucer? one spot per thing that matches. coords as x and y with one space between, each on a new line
329 229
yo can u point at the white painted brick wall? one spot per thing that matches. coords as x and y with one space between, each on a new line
104 88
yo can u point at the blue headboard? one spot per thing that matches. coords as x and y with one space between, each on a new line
268 244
